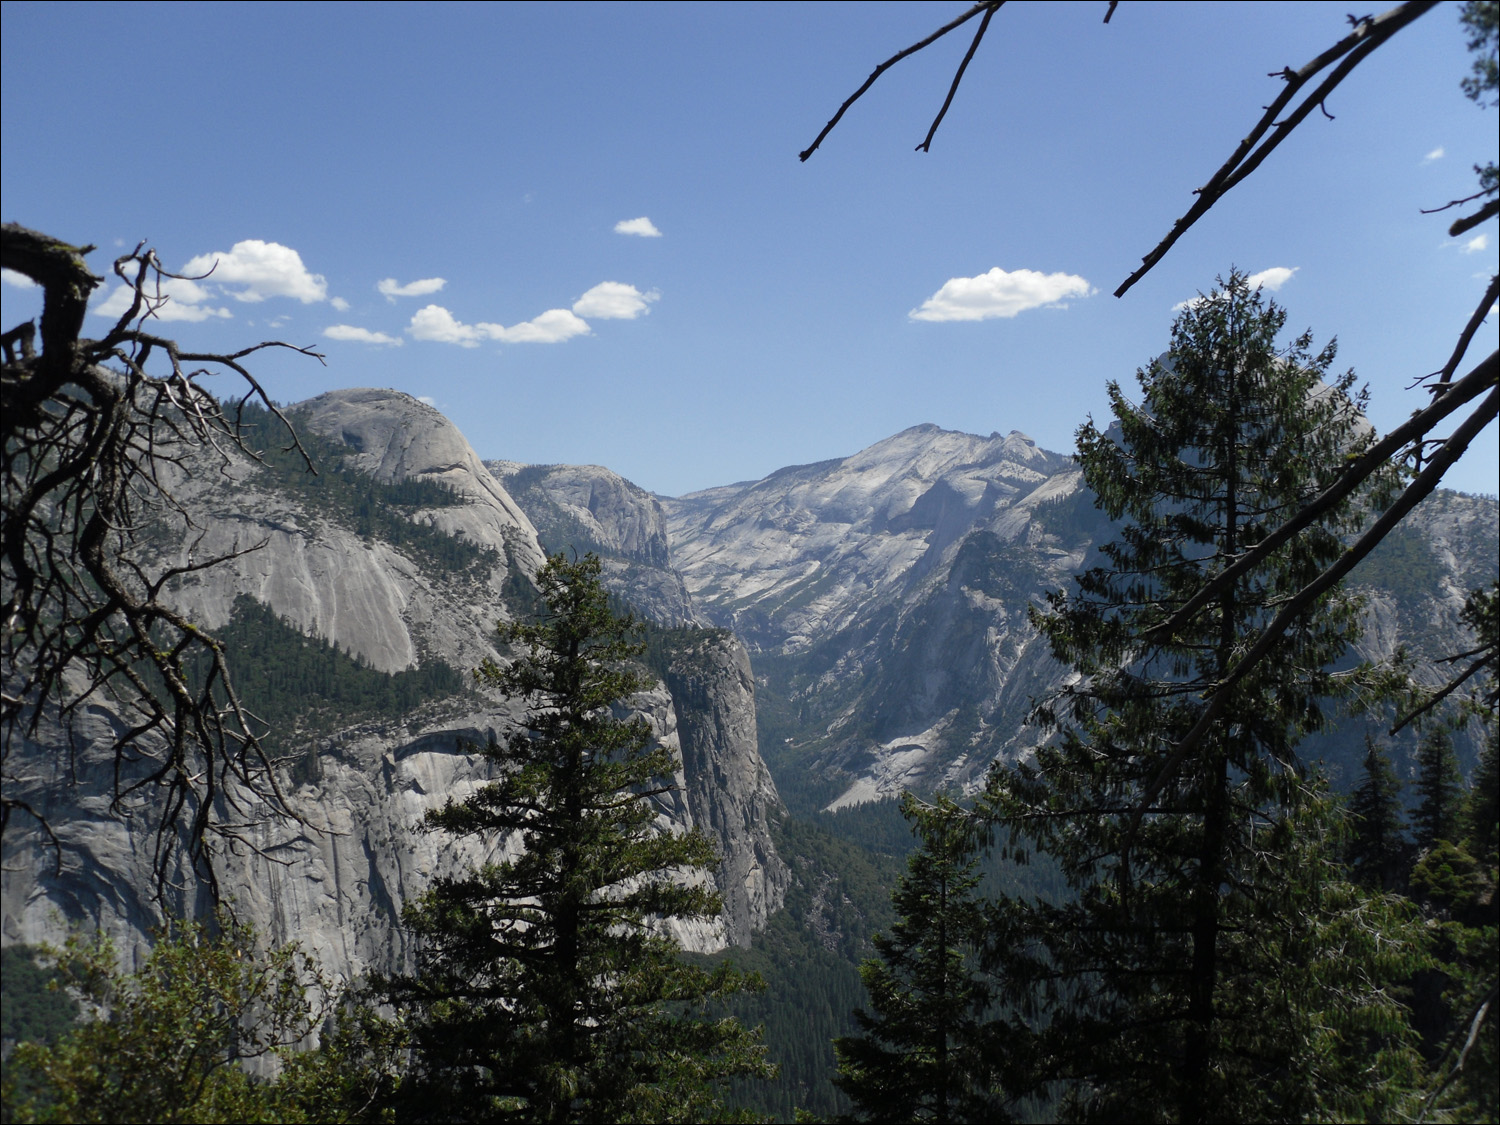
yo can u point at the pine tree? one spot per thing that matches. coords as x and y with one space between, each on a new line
546 989
922 1056
1188 980
1378 853
1439 789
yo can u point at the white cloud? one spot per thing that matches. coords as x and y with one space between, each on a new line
19 280
1272 279
362 335
1435 154
552 327
555 325
265 269
433 322
339 303
614 300
390 289
428 399
998 293
185 300
1476 244
643 227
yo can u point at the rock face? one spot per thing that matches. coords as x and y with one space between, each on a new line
368 596
885 600
885 597
338 881
803 554
730 792
589 508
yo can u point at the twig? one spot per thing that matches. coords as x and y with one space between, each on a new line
1358 44
926 145
989 5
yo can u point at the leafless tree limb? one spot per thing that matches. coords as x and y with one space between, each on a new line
90 454
1368 36
1466 337
987 7
1469 222
1443 693
1480 194
926 145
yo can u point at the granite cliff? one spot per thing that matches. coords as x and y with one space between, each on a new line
590 508
361 782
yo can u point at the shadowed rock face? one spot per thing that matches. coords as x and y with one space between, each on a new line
337 882
729 788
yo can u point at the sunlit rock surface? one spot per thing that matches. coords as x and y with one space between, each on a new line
337 882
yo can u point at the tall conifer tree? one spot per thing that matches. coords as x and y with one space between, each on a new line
1189 980
1439 790
922 1056
1378 851
546 990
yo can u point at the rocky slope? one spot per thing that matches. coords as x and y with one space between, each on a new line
885 597
338 881
590 508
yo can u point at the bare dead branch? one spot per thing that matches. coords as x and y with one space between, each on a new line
1442 693
1481 311
926 145
1469 222
89 457
1368 35
1455 202
987 6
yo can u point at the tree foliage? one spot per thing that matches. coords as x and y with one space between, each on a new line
1378 852
923 1055
1193 975
176 1040
546 989
1439 790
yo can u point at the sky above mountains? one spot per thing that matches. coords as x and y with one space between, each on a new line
582 231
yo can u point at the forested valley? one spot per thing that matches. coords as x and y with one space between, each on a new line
1044 947
350 777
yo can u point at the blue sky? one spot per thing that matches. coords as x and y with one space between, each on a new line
783 312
